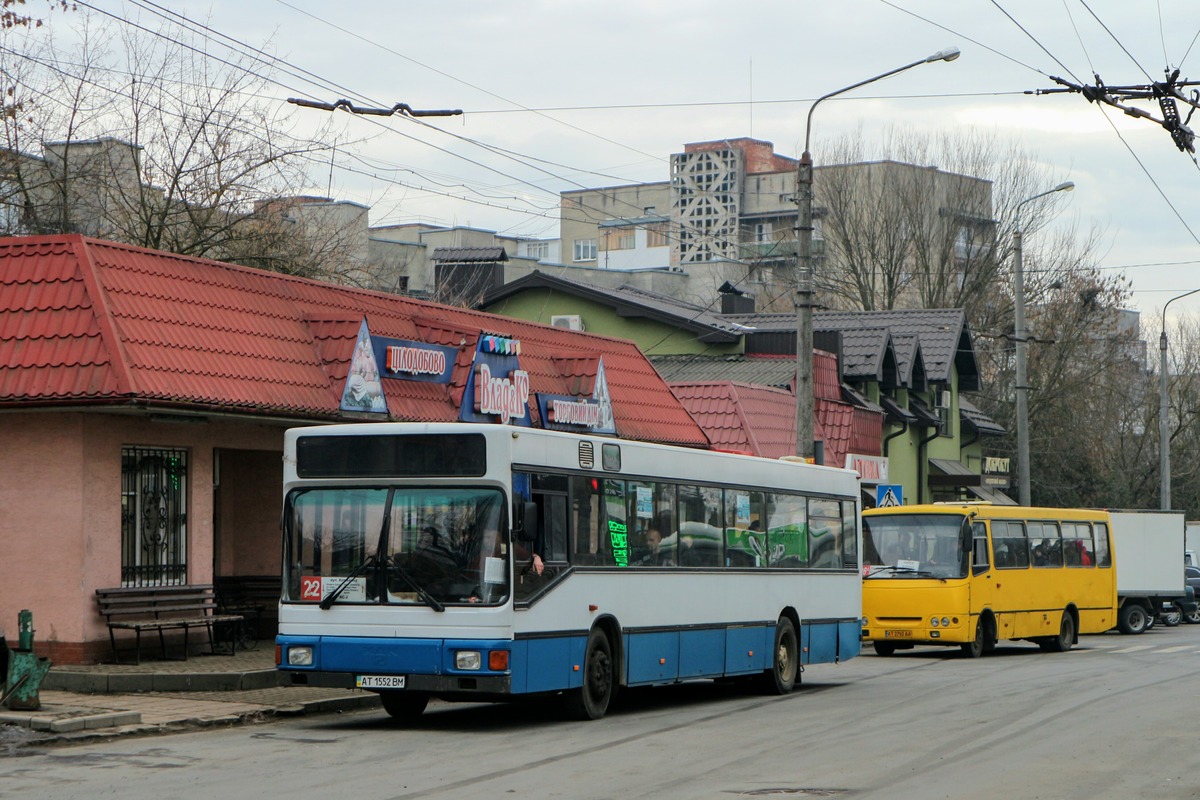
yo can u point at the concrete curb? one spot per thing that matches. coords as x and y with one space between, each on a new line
131 682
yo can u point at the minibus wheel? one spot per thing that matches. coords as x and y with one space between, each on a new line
974 648
1066 636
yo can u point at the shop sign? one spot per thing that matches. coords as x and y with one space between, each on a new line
362 391
872 469
507 398
414 361
996 472
497 386
567 412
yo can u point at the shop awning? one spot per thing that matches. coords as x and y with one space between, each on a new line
954 473
992 495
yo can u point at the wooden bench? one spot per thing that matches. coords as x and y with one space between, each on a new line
255 597
161 608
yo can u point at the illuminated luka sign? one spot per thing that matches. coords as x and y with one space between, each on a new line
497 388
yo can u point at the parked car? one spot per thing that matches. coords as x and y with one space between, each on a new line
1192 576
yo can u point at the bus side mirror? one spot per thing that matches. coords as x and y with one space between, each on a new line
527 521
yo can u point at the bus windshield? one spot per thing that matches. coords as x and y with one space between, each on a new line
914 546
421 546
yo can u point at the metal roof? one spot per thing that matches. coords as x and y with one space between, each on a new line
629 301
943 333
762 421
973 417
901 347
773 371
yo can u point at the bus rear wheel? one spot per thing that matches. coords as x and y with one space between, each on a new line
785 663
591 700
1066 636
404 706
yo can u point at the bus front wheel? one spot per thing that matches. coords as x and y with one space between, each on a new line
404 706
591 700
785 663
974 648
884 648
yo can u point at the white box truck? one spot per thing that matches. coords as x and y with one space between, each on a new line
1149 548
1192 544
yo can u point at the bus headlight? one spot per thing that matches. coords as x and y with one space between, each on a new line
933 621
300 656
467 659
945 622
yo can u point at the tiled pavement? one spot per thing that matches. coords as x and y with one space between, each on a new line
103 700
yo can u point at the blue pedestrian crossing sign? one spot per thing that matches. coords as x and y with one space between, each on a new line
888 495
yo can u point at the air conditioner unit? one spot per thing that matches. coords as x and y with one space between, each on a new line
943 398
571 321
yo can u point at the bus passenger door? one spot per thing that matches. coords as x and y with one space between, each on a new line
980 589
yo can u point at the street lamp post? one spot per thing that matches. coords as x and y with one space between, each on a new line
1164 427
1019 334
804 278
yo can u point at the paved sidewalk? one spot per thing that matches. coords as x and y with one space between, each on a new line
104 700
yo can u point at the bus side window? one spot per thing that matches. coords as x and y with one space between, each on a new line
979 548
1102 559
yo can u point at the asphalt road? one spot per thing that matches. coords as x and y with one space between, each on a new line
1113 718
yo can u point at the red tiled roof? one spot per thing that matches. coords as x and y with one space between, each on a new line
83 320
762 420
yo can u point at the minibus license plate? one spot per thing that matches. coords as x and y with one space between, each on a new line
897 634
379 681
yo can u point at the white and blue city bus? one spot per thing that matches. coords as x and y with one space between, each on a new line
487 562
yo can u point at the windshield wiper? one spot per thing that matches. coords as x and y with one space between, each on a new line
328 600
923 573
429 599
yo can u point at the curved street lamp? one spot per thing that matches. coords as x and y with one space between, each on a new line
1022 390
1164 435
804 283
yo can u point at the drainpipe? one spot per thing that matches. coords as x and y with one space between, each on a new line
903 430
923 463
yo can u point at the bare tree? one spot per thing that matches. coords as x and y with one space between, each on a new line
1183 413
145 138
924 222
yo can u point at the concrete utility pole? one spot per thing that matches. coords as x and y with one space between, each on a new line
1021 389
805 446
1164 413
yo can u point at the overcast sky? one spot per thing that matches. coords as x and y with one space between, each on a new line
604 91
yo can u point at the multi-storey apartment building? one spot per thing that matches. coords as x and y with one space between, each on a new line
729 211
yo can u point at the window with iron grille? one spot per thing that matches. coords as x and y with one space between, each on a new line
153 516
